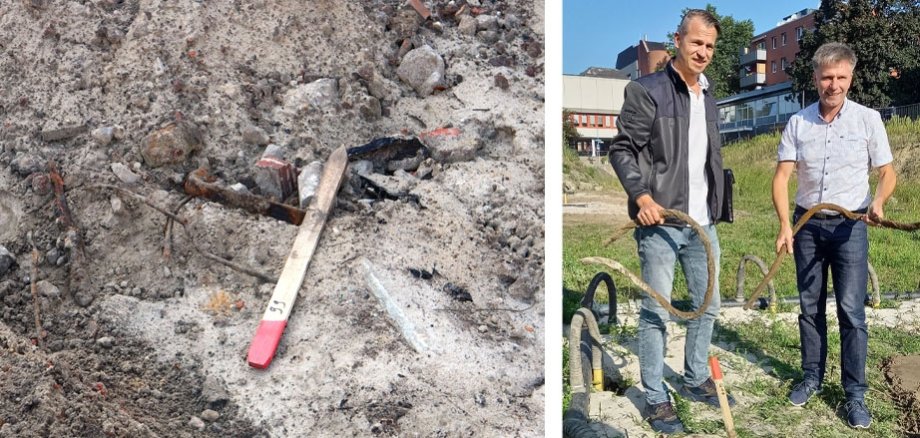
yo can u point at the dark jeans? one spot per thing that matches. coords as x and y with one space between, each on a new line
843 246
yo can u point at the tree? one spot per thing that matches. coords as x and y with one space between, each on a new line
723 72
883 33
569 132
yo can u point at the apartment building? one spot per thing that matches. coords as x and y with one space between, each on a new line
764 62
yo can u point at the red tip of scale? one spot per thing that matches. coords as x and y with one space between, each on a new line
264 343
713 365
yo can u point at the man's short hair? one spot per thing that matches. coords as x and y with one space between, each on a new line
708 19
832 53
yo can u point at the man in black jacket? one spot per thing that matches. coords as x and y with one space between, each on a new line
667 155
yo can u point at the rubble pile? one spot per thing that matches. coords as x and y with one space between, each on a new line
135 317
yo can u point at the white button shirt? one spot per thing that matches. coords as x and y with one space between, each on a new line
832 160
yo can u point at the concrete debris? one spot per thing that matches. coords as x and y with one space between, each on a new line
103 135
468 25
319 95
27 164
255 136
273 175
125 174
171 144
63 133
7 261
451 145
423 70
420 8
210 415
308 182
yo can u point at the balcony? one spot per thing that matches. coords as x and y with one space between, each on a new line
753 80
752 57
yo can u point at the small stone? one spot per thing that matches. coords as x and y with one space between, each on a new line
487 22
468 25
46 289
239 188
7 261
308 181
320 94
210 415
483 328
255 135
423 69
83 299
196 423
488 36
103 135
171 144
105 342
41 183
125 174
27 164
117 205
501 81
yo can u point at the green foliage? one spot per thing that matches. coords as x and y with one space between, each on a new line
569 131
724 69
884 35
566 387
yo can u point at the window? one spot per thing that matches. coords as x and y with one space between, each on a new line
784 63
584 118
591 121
773 66
799 33
762 45
774 41
784 38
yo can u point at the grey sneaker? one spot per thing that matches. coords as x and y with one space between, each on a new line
663 419
858 415
802 392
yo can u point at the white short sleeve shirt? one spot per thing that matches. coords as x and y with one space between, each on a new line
833 159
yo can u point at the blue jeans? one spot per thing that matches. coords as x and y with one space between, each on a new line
843 246
659 248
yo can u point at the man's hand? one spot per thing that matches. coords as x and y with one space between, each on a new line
649 211
784 238
875 213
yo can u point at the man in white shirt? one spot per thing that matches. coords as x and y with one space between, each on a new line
832 145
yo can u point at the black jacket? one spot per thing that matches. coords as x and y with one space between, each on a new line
649 154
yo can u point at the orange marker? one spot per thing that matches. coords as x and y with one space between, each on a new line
723 398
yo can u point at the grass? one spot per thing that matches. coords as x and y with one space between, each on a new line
776 345
577 171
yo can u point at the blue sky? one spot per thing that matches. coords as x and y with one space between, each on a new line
595 31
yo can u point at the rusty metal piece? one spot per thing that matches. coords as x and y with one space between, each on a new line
77 278
420 8
200 184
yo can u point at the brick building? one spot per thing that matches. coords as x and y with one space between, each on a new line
764 62
644 58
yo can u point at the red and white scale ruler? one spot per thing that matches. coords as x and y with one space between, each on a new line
274 320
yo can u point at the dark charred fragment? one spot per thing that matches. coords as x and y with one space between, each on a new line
378 192
391 153
458 293
200 184
421 273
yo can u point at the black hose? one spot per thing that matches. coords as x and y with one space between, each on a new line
588 300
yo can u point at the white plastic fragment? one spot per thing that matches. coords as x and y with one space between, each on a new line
405 325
